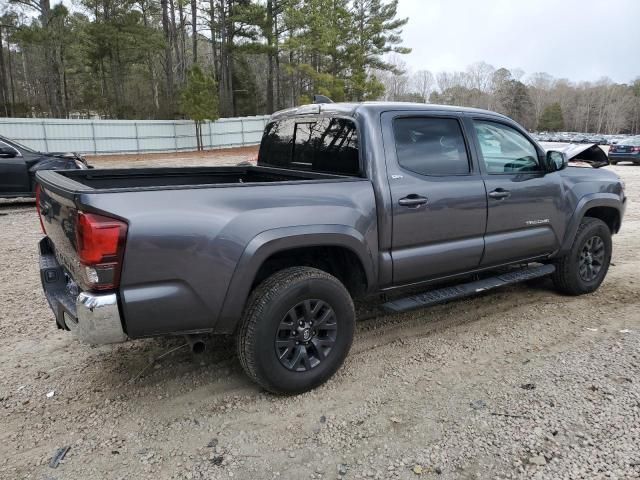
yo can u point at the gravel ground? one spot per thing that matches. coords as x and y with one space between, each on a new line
517 383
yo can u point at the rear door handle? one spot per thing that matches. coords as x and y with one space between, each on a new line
500 193
412 200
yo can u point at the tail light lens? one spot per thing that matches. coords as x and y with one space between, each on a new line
635 149
38 192
100 246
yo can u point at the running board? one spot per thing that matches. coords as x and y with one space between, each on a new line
446 294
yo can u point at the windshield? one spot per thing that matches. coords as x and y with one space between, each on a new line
19 145
630 141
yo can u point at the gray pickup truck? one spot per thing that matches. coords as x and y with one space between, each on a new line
346 201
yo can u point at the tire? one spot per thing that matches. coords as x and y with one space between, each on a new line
613 162
573 275
271 327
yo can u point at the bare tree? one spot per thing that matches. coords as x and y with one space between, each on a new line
423 82
168 57
540 83
479 76
194 30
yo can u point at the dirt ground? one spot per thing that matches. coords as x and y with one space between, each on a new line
518 383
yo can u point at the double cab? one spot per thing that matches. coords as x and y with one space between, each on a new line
347 200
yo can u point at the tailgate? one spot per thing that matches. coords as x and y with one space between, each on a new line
88 246
59 215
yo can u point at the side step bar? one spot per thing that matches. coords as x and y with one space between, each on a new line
446 294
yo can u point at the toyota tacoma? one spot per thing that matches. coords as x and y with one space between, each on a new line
346 201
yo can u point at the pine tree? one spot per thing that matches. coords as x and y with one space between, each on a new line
551 119
199 101
376 31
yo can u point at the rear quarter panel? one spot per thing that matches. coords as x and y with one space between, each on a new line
184 246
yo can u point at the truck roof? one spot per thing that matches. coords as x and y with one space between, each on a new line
351 108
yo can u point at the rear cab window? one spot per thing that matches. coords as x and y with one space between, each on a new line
324 145
431 146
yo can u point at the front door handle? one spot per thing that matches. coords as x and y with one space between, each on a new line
500 193
412 200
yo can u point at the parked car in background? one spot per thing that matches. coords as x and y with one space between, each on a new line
615 139
597 139
18 165
625 151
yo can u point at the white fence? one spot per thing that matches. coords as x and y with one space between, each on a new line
130 136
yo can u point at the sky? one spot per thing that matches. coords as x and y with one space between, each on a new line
582 40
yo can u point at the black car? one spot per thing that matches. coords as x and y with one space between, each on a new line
625 150
18 165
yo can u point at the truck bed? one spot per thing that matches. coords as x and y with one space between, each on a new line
187 230
91 181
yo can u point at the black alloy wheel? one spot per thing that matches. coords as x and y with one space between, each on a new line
306 335
591 258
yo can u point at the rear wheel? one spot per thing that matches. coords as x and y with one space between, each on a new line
296 331
583 269
613 162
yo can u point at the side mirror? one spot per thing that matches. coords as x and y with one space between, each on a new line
556 161
6 152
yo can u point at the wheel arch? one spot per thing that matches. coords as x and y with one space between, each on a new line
316 246
608 214
606 207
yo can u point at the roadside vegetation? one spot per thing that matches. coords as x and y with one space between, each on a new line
130 59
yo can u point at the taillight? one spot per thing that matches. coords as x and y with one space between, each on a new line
612 148
635 149
38 189
100 246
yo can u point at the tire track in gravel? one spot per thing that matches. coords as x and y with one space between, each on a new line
384 329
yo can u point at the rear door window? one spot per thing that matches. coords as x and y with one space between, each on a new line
327 145
431 146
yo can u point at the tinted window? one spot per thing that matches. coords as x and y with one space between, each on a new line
328 145
17 145
277 144
431 146
6 145
504 149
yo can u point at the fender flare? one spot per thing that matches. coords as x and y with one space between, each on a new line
587 202
269 242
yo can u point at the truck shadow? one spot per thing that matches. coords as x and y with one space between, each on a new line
168 366
17 202
9 206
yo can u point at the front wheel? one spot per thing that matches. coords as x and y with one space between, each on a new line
583 269
296 331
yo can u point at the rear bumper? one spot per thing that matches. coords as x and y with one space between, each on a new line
94 318
97 320
622 157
